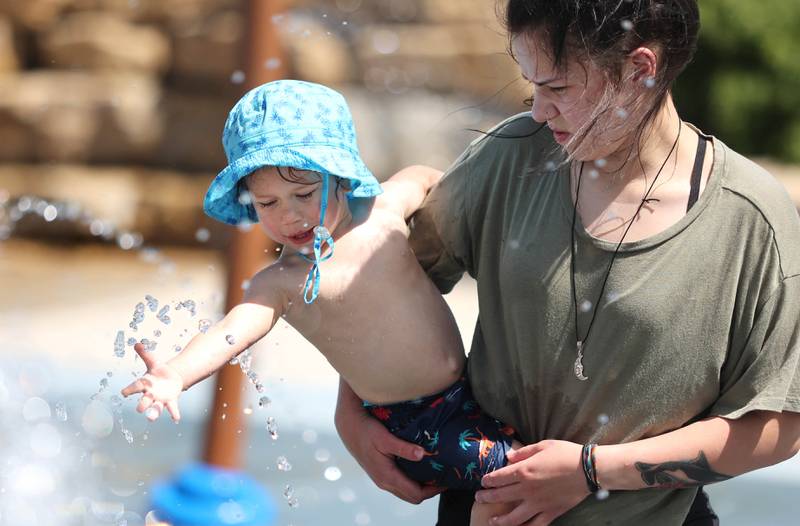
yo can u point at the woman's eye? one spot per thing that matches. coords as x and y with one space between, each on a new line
306 195
266 204
558 89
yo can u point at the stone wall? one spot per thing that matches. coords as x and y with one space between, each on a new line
145 85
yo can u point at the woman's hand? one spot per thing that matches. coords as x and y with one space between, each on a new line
161 385
375 449
544 480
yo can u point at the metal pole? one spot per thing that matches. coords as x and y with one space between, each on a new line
246 253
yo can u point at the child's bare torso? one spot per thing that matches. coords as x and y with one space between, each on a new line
378 319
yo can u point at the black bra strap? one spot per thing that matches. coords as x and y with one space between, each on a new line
697 171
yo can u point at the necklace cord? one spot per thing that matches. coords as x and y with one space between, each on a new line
619 244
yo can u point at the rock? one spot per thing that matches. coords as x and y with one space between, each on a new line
97 40
455 57
163 206
463 10
210 49
9 54
193 130
75 116
33 14
316 52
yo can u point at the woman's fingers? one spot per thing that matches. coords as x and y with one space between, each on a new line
517 455
393 446
511 493
516 517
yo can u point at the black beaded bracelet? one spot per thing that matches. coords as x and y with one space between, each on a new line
588 463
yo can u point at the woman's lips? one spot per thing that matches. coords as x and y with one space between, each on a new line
561 137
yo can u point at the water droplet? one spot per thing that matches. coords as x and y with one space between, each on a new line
202 235
602 494
264 401
272 428
293 502
283 464
333 473
288 492
594 174
245 198
602 419
627 25
362 518
97 420
272 63
347 495
622 113
128 435
309 436
247 410
157 333
649 82
119 344
600 163
612 296
35 409
152 303
50 213
230 339
204 325
131 341
237 77
245 284
152 413
385 41
61 411
586 306
322 455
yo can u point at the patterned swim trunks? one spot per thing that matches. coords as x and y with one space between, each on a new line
461 442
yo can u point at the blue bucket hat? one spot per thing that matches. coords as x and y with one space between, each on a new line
294 124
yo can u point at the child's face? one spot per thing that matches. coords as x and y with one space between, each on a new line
287 210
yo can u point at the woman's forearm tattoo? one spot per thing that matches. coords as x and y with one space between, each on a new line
695 472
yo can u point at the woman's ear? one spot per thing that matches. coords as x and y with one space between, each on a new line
643 65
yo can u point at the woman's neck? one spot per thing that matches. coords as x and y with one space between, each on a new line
645 154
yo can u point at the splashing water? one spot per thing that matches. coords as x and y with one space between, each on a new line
283 464
230 339
272 428
203 325
152 303
119 345
138 316
162 315
332 473
264 401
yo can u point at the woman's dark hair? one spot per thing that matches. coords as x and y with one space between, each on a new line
604 32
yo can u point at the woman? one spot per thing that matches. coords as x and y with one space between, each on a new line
637 283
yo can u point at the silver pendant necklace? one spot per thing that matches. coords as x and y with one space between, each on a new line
578 367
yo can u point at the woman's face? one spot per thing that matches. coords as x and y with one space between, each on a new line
567 98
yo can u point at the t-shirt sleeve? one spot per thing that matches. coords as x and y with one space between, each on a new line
764 375
440 228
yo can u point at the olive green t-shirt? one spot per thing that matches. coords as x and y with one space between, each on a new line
702 319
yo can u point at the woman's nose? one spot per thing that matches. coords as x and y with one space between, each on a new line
541 110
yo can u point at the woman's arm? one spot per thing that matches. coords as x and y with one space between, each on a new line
546 479
375 448
705 452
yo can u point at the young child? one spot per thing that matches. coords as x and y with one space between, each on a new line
294 168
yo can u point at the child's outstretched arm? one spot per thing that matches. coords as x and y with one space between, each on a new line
244 325
405 190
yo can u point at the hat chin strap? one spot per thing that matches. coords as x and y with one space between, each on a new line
321 238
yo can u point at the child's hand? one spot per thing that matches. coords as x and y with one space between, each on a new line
161 386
